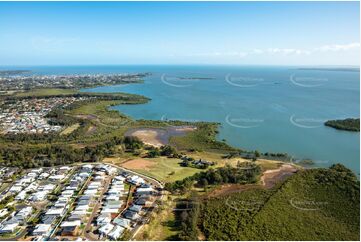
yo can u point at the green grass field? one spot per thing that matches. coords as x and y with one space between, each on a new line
167 170
162 225
70 129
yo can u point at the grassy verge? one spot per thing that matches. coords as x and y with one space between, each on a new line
163 224
70 129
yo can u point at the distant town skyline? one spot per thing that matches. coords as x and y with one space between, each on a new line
235 33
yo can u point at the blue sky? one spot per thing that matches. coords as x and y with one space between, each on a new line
263 33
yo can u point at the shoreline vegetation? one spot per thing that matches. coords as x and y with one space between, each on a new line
349 124
90 123
213 191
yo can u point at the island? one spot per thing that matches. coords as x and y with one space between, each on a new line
349 124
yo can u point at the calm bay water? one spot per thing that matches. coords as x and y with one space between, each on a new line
275 109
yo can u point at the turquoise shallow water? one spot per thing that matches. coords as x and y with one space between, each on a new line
277 109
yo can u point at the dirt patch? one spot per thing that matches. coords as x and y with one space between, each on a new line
138 164
158 137
70 129
149 137
271 177
87 116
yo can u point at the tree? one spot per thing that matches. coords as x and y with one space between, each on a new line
153 153
168 150
204 184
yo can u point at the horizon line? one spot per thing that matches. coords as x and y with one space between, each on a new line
163 64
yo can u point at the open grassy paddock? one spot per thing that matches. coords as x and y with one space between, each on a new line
162 168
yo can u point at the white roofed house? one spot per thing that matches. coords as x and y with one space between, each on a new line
119 178
94 185
56 177
21 196
112 197
106 229
3 212
136 180
60 204
87 168
125 223
115 192
32 187
70 223
103 219
99 176
42 229
8 228
145 191
67 193
109 210
116 232
48 187
16 189
84 175
90 192
38 196
65 168
32 174
37 171
56 211
114 204
24 213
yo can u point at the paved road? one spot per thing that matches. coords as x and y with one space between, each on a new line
158 183
153 180
69 208
135 231
90 236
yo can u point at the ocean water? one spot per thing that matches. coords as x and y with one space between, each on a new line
265 108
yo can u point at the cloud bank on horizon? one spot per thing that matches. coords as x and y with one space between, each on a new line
264 33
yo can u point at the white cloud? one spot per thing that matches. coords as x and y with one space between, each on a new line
276 51
346 47
239 54
287 51
257 51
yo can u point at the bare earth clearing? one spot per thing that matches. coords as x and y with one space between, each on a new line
138 164
158 137
271 177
